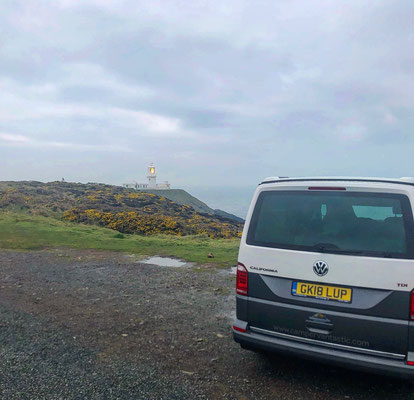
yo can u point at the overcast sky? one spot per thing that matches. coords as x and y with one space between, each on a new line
215 93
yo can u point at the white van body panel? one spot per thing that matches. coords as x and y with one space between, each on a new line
344 270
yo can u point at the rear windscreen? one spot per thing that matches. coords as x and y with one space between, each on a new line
372 224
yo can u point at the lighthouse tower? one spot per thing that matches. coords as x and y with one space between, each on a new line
152 182
152 177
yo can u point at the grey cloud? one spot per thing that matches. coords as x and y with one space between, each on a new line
201 87
86 93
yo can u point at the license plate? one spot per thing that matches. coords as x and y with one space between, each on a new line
323 292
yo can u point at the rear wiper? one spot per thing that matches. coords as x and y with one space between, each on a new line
321 247
385 254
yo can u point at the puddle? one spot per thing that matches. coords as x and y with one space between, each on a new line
229 271
164 262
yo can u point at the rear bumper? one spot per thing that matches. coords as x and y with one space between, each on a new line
370 363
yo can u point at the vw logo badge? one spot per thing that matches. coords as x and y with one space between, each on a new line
320 268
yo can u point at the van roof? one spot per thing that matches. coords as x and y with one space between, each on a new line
399 181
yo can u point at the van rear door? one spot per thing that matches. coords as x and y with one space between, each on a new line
331 267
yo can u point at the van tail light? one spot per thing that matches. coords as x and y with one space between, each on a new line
241 280
412 305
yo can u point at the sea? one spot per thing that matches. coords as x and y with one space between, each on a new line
234 200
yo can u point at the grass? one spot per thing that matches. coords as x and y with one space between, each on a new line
22 231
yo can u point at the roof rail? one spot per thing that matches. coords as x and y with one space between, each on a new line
407 179
274 178
401 181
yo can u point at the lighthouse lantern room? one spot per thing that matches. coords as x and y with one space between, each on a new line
152 177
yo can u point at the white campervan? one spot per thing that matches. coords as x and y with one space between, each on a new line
326 271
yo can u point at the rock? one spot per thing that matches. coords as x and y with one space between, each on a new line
187 372
219 335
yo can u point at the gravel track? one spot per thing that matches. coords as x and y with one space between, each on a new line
99 325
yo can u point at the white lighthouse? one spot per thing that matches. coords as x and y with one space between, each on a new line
152 182
152 177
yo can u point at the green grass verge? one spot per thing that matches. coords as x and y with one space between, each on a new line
28 232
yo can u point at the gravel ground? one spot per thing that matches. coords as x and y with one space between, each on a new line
98 325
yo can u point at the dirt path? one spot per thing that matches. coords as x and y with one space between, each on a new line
96 325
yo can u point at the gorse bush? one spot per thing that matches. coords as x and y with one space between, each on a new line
134 222
123 210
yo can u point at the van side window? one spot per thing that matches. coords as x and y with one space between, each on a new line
377 213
